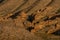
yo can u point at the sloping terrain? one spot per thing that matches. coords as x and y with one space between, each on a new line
29 19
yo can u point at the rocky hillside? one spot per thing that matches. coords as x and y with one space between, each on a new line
29 19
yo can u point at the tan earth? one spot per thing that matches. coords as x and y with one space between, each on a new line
29 19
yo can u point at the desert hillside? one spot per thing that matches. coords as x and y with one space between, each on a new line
29 19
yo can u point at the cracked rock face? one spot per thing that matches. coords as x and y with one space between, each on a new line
29 19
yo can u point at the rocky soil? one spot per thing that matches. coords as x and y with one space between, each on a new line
29 19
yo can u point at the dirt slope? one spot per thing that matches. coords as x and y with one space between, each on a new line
29 19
